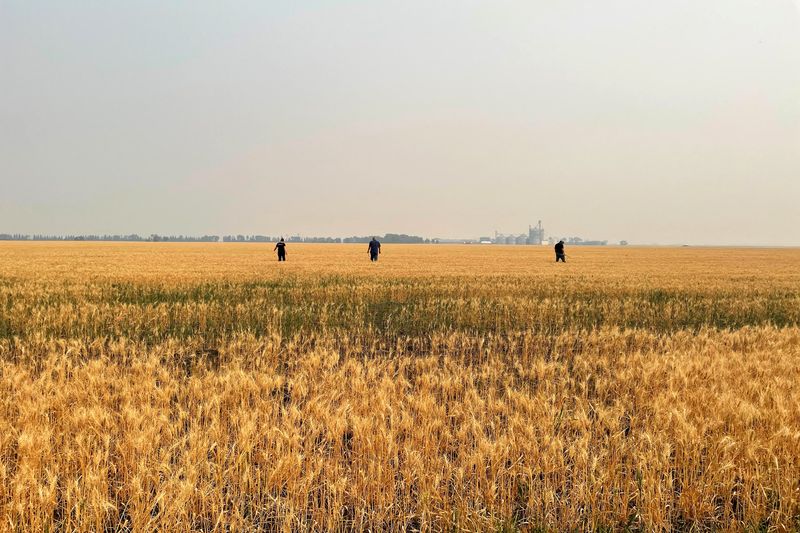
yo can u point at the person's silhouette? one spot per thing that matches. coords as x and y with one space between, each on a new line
560 255
374 249
280 246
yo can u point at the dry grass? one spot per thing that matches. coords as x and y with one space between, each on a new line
203 387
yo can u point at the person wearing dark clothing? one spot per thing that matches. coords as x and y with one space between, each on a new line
281 247
560 255
374 249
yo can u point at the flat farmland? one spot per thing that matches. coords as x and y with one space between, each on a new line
208 387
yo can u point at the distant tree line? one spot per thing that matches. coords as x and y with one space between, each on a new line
390 238
247 238
119 238
182 238
266 238
577 241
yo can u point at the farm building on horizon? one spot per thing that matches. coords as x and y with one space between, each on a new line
535 236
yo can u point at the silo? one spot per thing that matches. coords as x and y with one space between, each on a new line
536 234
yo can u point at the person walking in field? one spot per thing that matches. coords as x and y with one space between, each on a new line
374 249
280 246
560 255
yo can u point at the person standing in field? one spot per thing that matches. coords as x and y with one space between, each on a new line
560 255
374 249
281 248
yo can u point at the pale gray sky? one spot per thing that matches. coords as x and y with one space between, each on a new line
654 121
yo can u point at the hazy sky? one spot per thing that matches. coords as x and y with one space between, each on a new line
671 121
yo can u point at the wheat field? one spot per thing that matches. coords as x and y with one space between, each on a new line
207 387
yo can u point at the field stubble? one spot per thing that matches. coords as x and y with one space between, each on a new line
199 387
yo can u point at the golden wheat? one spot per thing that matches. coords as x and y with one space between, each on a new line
207 387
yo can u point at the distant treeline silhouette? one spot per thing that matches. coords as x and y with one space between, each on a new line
388 238
120 238
266 238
